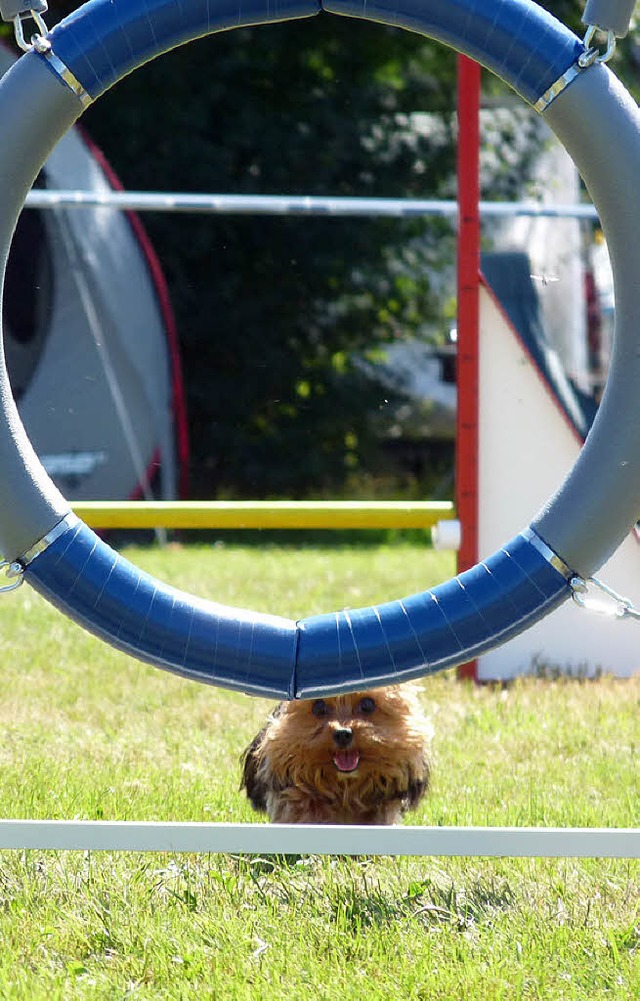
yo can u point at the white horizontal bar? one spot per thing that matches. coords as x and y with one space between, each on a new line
286 839
148 201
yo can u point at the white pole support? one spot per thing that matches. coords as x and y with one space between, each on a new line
447 535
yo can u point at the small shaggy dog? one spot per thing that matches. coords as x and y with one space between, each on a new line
361 758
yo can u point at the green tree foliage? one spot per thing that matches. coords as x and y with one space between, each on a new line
273 312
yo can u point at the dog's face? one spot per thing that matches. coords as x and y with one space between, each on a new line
361 755
347 736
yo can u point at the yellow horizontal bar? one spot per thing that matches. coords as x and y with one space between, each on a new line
263 514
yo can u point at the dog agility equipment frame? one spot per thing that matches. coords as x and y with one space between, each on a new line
45 544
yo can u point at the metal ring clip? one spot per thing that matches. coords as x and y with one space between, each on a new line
13 572
614 605
592 54
38 41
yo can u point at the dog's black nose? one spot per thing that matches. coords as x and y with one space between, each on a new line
343 736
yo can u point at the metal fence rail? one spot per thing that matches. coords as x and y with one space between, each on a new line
292 205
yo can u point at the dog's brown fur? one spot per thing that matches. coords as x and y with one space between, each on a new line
361 758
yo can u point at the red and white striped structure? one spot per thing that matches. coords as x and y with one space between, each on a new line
515 445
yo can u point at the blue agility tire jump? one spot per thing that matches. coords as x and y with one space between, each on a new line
576 532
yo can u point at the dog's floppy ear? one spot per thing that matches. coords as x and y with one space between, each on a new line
255 778
254 784
417 788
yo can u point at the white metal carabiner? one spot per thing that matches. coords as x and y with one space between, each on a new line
38 41
592 54
14 572
614 605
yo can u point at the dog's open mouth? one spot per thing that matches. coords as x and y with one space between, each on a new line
347 760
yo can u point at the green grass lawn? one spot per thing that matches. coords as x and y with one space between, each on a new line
86 732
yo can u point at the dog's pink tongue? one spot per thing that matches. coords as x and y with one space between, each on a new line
346 761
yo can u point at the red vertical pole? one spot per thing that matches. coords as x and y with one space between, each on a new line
468 273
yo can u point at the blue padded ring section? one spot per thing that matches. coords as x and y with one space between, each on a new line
518 40
106 39
431 631
110 597
272 656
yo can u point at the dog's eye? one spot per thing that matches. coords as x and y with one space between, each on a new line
319 708
367 705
